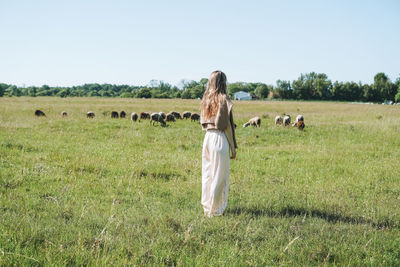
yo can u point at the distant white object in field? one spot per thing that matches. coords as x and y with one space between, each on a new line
278 120
286 120
256 121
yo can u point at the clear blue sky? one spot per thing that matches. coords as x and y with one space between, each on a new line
132 42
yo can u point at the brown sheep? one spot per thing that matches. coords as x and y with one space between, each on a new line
300 125
156 117
298 118
122 114
187 114
144 115
195 117
39 113
114 114
64 114
90 114
177 115
170 117
134 116
256 121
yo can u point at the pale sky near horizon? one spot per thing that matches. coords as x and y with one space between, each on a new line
65 43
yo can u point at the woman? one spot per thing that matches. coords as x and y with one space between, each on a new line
216 118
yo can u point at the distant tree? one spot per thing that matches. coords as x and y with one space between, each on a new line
197 91
63 93
262 91
93 93
283 90
3 88
186 94
203 82
397 97
13 90
144 93
312 86
32 91
126 95
384 87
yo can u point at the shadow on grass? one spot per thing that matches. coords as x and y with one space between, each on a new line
330 217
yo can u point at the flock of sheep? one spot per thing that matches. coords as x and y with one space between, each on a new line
159 117
172 116
299 122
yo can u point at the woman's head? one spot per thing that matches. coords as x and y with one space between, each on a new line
217 82
216 87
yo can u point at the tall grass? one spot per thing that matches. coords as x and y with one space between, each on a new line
76 191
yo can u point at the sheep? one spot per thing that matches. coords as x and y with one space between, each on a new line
64 114
256 121
90 114
170 117
114 114
39 113
278 120
177 115
195 117
300 125
162 114
286 120
298 118
134 116
144 115
156 117
187 114
122 114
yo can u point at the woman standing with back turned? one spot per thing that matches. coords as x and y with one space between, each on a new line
217 120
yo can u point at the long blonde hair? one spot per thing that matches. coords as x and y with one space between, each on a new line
216 87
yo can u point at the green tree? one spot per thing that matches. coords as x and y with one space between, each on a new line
13 90
144 93
262 91
384 87
63 93
283 90
3 88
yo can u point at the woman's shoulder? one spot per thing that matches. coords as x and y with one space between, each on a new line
227 101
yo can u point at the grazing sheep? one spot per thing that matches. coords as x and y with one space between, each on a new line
278 120
134 116
39 113
195 117
162 114
64 114
90 114
298 118
177 115
300 125
187 114
156 117
170 117
256 121
122 114
114 114
144 115
286 120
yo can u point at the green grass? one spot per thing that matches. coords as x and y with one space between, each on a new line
75 191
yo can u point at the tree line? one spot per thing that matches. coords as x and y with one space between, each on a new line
309 86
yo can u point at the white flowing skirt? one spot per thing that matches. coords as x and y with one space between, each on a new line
215 173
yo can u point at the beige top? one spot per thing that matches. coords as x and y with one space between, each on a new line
222 121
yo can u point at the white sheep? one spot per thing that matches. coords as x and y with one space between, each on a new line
278 120
286 120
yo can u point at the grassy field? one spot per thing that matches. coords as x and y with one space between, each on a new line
75 191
